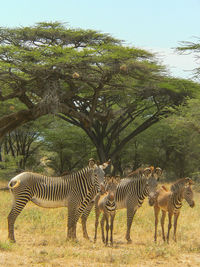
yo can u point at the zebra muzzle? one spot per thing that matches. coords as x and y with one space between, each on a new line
192 204
13 184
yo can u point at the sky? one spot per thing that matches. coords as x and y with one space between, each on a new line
156 25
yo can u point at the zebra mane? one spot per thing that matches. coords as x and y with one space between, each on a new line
66 176
180 183
133 179
165 188
136 173
77 173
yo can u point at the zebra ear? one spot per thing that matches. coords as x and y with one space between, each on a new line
104 165
118 179
188 181
158 171
147 171
91 165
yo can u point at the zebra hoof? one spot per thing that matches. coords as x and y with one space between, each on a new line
129 241
12 240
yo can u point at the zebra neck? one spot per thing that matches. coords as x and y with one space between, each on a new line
177 200
110 205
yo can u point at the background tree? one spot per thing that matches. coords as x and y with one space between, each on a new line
67 148
191 47
88 79
19 144
23 145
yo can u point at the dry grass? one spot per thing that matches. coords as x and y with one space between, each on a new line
41 240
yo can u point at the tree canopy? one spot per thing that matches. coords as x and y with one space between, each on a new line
88 79
191 47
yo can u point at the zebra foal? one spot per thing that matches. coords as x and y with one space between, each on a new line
74 191
106 204
130 194
171 202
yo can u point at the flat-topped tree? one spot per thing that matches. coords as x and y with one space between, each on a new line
87 78
187 47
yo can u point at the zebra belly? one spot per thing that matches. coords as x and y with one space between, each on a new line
121 204
45 203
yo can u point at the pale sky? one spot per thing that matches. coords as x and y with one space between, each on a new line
155 25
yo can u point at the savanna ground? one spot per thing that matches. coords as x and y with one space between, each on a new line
41 239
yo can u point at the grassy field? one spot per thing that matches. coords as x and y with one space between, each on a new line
41 239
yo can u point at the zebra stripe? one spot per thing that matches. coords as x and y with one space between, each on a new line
110 205
136 187
75 191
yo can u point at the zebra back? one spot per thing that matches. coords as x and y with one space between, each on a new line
131 187
81 183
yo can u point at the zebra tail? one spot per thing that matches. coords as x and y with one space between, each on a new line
4 188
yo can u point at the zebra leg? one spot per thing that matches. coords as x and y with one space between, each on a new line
130 215
176 215
156 213
97 214
102 228
84 218
73 217
107 228
18 206
169 225
111 228
162 221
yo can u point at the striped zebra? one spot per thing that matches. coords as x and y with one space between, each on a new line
106 204
130 194
171 202
74 191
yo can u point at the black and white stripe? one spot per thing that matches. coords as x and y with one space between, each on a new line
136 189
74 191
110 205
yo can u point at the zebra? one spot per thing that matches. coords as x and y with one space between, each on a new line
106 204
74 191
130 194
171 202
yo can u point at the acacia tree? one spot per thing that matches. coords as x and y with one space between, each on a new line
21 143
86 78
67 147
191 47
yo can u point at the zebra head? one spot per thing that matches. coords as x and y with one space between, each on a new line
188 194
98 174
111 186
183 189
152 183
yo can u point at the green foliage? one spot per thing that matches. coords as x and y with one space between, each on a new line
109 92
5 246
68 147
172 144
191 47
